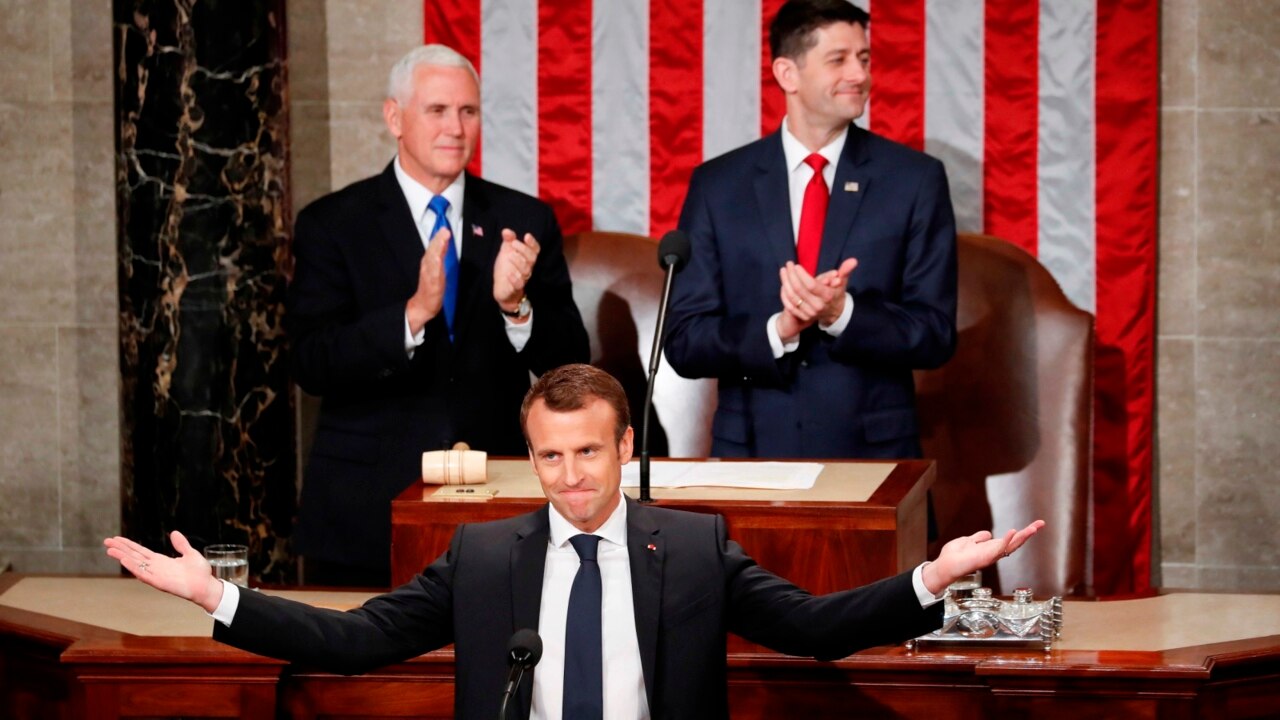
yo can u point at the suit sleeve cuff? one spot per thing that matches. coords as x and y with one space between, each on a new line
925 597
778 347
226 609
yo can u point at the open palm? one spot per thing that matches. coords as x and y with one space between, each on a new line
188 576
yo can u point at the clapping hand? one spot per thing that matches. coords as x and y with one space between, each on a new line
807 299
512 268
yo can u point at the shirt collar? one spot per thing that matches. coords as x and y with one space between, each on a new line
613 530
795 152
418 195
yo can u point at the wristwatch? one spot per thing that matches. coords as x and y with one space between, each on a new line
522 310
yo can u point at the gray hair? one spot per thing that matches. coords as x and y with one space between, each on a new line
400 82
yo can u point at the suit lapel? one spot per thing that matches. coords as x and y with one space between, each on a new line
399 231
478 253
528 560
646 551
773 201
851 172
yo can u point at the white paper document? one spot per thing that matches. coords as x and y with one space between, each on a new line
758 475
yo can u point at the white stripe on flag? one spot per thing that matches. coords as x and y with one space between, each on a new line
730 75
1066 170
620 116
509 93
953 102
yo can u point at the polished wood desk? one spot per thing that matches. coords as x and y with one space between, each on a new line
862 521
112 648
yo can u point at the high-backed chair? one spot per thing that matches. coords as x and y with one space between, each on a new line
1009 420
617 285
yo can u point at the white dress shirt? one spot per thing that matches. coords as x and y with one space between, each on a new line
798 176
418 197
624 695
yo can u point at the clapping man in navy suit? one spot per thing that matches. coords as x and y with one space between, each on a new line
824 264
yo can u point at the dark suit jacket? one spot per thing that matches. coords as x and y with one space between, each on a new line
692 588
357 253
851 396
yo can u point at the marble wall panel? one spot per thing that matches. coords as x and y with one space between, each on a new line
37 269
310 162
83 561
1219 97
59 391
28 419
1180 576
80 49
1238 53
203 203
308 102
1176 259
1178 52
89 434
1176 449
366 146
1248 579
308 43
93 197
365 38
1238 443
1239 200
24 62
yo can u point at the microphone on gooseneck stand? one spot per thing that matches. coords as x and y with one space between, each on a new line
673 254
524 650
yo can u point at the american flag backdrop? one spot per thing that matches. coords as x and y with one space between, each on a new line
1045 114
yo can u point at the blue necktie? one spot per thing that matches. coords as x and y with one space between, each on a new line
439 205
583 644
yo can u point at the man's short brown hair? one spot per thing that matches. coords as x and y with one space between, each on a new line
791 32
572 387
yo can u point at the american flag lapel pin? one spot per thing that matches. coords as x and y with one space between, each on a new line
476 230
652 547
851 187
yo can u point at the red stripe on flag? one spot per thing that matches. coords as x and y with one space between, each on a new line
1127 91
897 71
675 106
564 111
456 24
773 106
1012 117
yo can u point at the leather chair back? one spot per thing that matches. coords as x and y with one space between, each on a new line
617 285
1009 418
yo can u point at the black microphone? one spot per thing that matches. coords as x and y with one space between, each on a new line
524 650
673 250
673 255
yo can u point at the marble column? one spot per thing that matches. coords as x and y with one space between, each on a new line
202 197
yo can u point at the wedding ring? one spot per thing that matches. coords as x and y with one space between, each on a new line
800 303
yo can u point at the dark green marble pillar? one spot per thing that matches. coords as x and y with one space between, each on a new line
202 188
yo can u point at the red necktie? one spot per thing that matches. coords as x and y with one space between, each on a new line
813 214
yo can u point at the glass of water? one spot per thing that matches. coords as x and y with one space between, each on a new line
229 562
